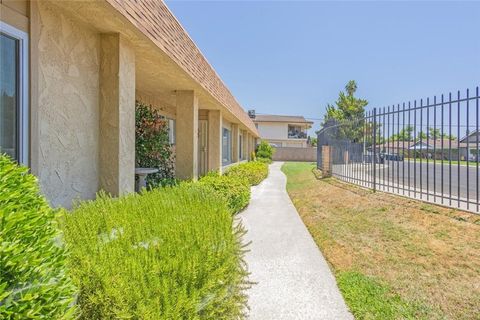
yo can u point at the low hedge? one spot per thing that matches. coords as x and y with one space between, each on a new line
254 171
233 189
33 280
169 253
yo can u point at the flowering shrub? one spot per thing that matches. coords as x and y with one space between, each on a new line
152 147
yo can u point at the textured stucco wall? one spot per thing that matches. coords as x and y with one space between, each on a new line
214 140
295 154
66 108
117 118
272 130
186 165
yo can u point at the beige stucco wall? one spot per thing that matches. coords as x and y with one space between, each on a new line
65 105
295 154
117 115
273 130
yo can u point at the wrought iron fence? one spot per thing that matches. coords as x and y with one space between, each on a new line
426 149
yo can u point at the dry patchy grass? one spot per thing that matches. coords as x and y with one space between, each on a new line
428 255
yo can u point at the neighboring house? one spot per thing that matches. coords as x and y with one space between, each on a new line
283 131
471 142
444 149
70 74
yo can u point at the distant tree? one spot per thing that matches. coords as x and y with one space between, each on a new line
347 111
404 135
422 136
434 133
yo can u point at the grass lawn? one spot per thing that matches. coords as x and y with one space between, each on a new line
394 258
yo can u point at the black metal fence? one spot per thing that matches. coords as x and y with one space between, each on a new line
427 149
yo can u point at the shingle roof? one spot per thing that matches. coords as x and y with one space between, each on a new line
279 118
156 21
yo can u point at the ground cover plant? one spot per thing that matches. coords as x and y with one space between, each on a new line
254 171
169 253
235 190
34 282
393 257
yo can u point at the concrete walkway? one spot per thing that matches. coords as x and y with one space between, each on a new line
293 279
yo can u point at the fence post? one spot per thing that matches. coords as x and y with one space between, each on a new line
326 161
374 160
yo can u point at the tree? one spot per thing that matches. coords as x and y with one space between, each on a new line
404 135
349 111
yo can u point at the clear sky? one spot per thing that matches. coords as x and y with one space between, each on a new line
294 57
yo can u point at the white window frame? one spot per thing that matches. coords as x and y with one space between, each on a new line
172 124
229 146
22 37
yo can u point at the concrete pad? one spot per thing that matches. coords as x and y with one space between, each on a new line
293 280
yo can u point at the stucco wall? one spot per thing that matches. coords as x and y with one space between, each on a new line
295 154
67 108
273 130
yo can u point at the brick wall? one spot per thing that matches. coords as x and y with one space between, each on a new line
158 23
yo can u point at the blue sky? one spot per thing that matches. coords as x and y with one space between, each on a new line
294 57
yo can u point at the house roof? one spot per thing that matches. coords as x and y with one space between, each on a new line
475 132
158 24
280 118
437 144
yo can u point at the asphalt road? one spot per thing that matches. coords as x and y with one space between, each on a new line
420 179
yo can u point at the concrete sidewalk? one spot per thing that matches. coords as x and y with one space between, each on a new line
293 279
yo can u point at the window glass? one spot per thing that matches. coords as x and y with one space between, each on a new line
171 131
226 147
9 99
240 147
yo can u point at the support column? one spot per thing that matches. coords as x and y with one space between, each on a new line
245 145
117 115
186 150
235 142
215 140
249 147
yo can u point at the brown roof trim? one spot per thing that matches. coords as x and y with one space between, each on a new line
157 22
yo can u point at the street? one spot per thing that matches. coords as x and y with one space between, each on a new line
419 180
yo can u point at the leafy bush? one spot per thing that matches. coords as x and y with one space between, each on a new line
33 279
254 171
234 190
152 146
265 150
168 253
264 160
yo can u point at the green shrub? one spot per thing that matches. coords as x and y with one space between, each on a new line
33 279
168 253
265 150
264 160
234 190
254 171
152 146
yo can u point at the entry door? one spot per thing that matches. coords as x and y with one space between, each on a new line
202 147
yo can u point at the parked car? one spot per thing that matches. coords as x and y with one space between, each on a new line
392 156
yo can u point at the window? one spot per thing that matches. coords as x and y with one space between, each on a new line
296 132
171 131
13 93
226 146
240 147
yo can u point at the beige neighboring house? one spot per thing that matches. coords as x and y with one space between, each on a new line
71 72
283 131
